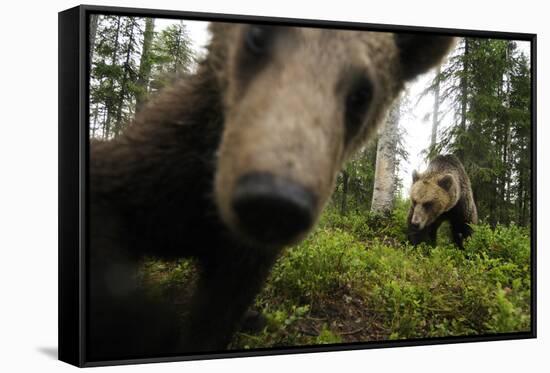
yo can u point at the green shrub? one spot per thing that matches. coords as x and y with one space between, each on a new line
366 226
324 262
414 292
510 244
355 278
168 278
326 336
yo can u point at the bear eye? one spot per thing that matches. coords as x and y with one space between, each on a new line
428 205
357 103
359 97
258 38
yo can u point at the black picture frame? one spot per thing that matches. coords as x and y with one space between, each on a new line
73 178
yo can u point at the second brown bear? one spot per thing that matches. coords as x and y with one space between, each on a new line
442 193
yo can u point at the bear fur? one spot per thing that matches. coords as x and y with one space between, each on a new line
266 99
442 193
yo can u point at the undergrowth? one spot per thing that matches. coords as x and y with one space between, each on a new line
355 278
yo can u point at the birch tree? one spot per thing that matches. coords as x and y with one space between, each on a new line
386 163
435 115
94 20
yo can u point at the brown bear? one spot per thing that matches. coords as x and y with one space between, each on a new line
228 166
442 193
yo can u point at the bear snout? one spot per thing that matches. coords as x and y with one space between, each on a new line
415 226
415 222
273 210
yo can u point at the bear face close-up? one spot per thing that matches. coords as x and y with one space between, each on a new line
227 166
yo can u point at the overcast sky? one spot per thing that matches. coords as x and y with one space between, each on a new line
417 130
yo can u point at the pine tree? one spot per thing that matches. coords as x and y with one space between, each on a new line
129 62
486 82
145 64
173 55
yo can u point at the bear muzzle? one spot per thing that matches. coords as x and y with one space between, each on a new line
272 210
414 226
417 222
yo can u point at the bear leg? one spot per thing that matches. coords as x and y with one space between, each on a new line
427 235
227 287
128 323
460 233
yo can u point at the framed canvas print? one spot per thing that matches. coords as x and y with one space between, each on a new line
237 186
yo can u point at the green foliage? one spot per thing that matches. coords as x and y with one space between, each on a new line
511 244
124 71
114 65
172 55
367 226
326 336
167 278
442 293
360 182
404 291
487 82
355 278
322 264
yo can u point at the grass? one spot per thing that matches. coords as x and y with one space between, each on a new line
356 279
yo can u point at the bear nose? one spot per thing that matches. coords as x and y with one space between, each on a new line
271 209
415 225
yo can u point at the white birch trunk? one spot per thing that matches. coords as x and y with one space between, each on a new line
435 117
384 174
94 20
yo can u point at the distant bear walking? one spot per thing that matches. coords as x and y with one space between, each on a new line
228 166
442 192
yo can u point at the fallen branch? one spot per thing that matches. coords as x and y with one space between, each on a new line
352 332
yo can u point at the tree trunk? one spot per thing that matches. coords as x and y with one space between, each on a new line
345 179
95 115
520 199
177 63
145 63
464 98
384 174
109 102
435 116
94 20
124 85
507 157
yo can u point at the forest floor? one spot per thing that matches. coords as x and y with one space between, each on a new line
355 279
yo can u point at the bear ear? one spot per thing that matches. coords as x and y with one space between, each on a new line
416 176
420 52
446 182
